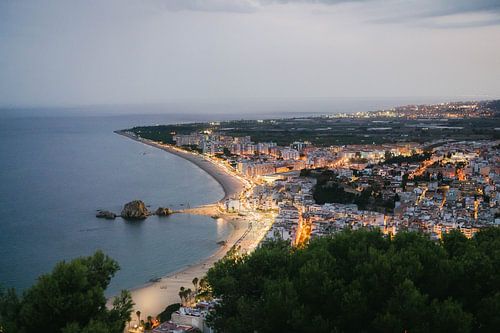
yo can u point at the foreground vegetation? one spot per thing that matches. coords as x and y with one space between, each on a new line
354 281
68 300
362 282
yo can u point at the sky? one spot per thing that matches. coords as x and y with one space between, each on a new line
105 52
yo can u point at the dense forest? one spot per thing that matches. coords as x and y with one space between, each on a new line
68 300
362 281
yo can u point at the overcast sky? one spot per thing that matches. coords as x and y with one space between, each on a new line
63 52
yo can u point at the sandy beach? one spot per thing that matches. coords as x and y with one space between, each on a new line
152 298
231 185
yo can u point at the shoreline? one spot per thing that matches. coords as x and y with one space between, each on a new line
153 297
231 185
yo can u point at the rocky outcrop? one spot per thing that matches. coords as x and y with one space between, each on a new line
135 210
161 211
104 214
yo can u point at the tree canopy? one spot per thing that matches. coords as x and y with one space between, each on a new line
68 300
361 281
330 189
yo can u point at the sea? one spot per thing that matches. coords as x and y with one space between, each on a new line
58 166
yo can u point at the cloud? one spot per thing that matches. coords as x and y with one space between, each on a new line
428 13
440 14
153 51
237 6
454 7
241 6
465 24
433 7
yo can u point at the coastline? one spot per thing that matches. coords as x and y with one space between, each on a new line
231 185
153 297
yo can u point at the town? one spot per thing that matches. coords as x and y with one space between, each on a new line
301 190
214 166
452 186
316 189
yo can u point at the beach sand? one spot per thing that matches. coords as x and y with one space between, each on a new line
231 184
153 298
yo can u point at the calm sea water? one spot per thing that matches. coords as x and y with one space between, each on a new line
54 174
55 171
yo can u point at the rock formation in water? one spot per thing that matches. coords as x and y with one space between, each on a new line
161 211
104 214
135 210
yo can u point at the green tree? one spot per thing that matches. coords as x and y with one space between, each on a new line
70 299
361 281
166 314
119 315
195 284
182 294
10 305
387 155
138 314
405 311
